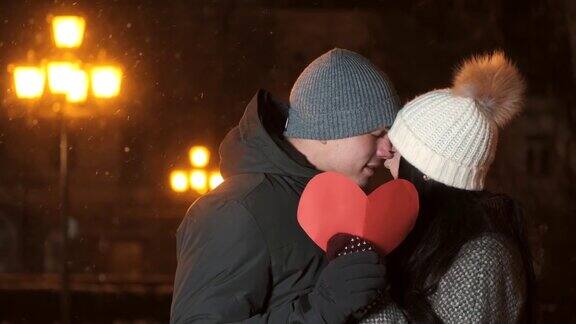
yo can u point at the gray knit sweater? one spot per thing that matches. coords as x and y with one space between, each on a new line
485 284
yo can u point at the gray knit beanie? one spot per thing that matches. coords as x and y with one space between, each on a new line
340 94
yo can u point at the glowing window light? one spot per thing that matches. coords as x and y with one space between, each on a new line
68 31
215 179
199 156
199 181
106 81
179 180
29 82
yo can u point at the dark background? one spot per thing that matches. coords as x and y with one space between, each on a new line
190 68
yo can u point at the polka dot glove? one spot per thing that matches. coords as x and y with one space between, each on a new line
343 244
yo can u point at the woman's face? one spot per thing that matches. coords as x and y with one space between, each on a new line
393 164
388 153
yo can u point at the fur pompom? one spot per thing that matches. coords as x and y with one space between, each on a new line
494 83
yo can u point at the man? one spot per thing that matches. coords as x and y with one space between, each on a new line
241 254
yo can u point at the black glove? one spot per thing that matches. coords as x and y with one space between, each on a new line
347 284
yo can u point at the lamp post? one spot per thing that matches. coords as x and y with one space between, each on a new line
196 179
68 81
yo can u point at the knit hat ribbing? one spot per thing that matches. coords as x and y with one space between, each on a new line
451 135
340 94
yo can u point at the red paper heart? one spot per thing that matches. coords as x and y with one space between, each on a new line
331 203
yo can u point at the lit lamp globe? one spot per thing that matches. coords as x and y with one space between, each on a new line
199 156
199 181
179 181
106 81
215 179
60 74
28 81
68 31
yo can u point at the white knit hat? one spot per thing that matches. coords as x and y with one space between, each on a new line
450 135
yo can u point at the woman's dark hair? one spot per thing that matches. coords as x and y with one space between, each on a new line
449 217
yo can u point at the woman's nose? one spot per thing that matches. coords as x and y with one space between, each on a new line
384 148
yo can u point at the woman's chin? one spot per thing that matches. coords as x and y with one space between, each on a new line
367 172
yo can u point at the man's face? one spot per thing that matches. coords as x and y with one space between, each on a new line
388 153
354 157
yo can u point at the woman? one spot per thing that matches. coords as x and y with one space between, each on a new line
467 259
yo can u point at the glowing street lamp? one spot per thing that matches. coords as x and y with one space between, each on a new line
71 81
60 76
29 82
179 180
199 156
199 181
78 87
106 81
215 179
68 31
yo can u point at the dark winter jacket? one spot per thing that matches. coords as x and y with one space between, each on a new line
241 254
